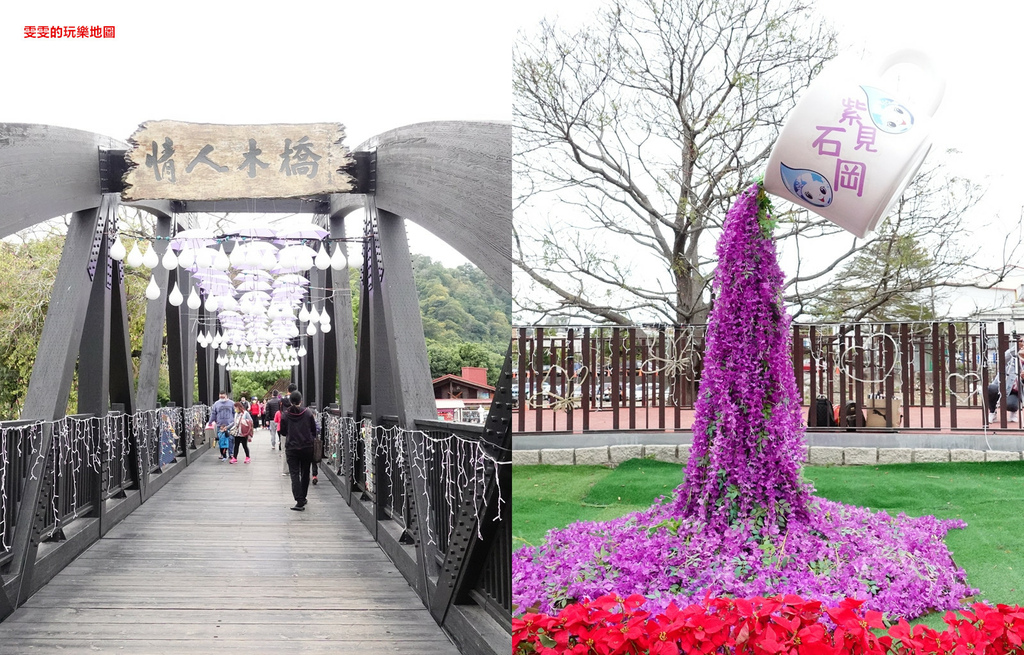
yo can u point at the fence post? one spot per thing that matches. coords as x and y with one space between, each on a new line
951 374
936 366
588 384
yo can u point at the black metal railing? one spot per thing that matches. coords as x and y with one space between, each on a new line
460 468
907 376
53 473
18 448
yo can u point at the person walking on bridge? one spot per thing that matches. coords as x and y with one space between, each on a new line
282 428
223 414
301 431
271 409
241 429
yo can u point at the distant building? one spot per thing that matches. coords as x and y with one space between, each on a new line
463 397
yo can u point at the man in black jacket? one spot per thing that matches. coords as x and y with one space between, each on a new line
285 404
298 449
273 407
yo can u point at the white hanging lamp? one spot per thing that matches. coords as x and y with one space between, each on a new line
322 260
194 301
338 259
169 261
325 317
134 258
205 258
175 298
117 251
152 289
149 258
314 316
186 258
311 329
221 262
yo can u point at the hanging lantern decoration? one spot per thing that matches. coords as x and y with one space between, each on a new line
338 259
149 258
175 298
194 301
221 262
323 260
169 261
134 258
117 251
152 289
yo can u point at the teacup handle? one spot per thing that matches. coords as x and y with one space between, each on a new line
923 62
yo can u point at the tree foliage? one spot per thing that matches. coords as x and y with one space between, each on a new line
27 271
466 318
893 274
644 125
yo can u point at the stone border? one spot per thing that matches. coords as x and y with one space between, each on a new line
612 456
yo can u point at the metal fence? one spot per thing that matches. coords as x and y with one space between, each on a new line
380 466
873 376
87 460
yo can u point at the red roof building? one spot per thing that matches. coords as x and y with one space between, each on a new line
469 390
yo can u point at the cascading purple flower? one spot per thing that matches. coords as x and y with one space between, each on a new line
747 429
742 523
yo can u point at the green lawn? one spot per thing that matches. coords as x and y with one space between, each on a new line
989 496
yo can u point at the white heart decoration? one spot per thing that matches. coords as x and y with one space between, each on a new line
966 379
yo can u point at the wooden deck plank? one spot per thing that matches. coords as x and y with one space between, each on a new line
216 562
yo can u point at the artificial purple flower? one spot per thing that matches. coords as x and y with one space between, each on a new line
742 523
747 428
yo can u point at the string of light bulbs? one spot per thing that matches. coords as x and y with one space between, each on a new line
389 442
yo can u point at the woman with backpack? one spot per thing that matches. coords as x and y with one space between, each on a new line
241 430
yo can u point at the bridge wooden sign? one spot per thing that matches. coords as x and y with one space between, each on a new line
172 160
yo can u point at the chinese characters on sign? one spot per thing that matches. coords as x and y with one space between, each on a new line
69 32
850 173
192 161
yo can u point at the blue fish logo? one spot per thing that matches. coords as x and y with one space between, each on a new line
887 114
807 185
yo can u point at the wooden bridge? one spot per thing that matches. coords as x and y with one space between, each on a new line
118 529
216 561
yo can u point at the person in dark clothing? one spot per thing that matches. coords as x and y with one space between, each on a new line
298 450
273 406
283 429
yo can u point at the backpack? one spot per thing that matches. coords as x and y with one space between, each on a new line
823 413
245 427
849 417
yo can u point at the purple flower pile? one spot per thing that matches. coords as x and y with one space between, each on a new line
743 523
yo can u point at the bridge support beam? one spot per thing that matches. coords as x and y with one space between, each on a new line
54 368
340 308
156 310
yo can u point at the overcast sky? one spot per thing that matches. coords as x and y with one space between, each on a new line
371 66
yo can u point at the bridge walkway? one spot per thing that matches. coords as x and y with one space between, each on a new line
218 563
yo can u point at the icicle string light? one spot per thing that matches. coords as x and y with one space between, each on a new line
389 442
